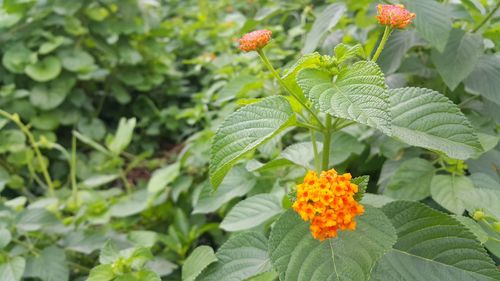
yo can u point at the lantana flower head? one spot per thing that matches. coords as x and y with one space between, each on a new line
328 203
395 16
255 40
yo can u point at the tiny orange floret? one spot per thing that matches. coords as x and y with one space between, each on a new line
328 203
255 40
395 16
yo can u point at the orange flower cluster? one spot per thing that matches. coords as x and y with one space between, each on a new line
395 16
255 40
328 202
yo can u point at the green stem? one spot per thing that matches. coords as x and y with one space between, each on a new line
276 75
326 142
74 186
15 118
315 150
387 33
487 18
307 126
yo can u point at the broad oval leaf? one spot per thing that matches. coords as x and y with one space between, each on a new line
359 93
459 57
246 129
252 212
198 260
411 181
432 246
447 190
162 177
328 18
426 118
241 257
44 70
484 78
296 255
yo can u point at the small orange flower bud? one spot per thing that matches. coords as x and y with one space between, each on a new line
395 16
328 203
255 40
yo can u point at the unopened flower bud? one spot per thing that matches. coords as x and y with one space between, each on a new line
395 16
255 40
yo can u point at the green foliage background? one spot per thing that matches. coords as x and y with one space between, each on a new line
124 98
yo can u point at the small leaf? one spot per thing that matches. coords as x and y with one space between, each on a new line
296 255
362 183
426 118
328 18
44 70
358 94
431 246
123 135
412 180
162 177
197 261
77 60
252 212
103 272
459 57
241 257
246 129
109 253
445 190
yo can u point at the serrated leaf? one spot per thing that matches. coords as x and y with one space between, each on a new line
290 76
484 80
362 183
245 130
411 181
459 57
12 270
49 266
252 212
358 93
473 227
446 189
426 118
197 261
241 257
431 246
296 255
433 21
328 18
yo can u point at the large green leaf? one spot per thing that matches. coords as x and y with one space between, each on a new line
426 118
198 260
44 70
447 190
17 57
433 21
241 257
432 246
246 129
50 265
296 255
237 183
358 93
12 269
459 57
411 181
328 18
484 78
252 212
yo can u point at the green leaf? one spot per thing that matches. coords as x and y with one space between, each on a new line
290 75
358 94
17 57
362 183
242 256
99 180
344 146
473 227
412 180
44 70
246 129
252 212
197 261
238 87
433 21
5 237
301 153
12 270
35 219
484 199
123 135
431 246
12 140
426 118
237 183
376 200
50 265
48 96
108 253
459 57
77 60
484 80
328 18
446 189
103 272
296 255
395 50
163 177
